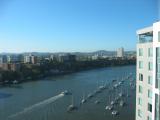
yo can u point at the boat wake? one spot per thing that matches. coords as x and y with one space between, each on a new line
37 105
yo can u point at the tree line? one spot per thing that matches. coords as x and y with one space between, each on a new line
54 68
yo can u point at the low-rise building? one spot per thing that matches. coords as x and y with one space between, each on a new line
10 66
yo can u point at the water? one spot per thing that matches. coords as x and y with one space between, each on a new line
41 100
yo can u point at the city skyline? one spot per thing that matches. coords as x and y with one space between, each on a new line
84 26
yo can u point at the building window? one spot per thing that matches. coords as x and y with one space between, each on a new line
150 80
149 107
150 66
157 107
149 94
157 83
150 52
140 77
149 118
140 101
139 113
140 64
140 89
140 52
159 36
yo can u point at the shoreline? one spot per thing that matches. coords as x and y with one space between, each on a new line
60 74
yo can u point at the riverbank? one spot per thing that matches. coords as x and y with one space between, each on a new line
34 72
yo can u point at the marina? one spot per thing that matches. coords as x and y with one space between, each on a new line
104 101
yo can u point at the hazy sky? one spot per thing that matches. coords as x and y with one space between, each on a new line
73 25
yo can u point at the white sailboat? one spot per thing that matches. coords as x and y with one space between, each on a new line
109 107
97 102
15 82
121 103
66 92
90 95
71 107
83 100
114 112
102 87
113 102
127 93
121 93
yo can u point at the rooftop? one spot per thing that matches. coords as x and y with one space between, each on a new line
148 30
145 35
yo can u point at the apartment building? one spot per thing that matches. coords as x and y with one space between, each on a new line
120 52
148 73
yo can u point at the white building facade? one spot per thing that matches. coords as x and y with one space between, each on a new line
148 73
120 52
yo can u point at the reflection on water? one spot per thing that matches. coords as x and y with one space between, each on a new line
82 85
5 95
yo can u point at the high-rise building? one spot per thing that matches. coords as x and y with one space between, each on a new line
3 59
67 58
148 73
13 58
30 59
120 52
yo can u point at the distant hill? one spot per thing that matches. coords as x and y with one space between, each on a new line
99 52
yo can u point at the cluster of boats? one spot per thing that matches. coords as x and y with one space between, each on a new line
114 100
118 98
72 107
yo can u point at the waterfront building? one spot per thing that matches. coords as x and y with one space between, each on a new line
3 59
31 59
120 52
13 58
148 73
4 66
95 57
10 66
67 58
53 57
14 66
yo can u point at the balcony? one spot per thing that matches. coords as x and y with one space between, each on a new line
145 37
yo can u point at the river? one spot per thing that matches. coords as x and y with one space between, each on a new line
41 99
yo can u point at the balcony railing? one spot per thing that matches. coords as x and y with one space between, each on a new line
145 38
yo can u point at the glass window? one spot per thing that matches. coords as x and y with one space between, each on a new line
140 89
140 64
149 118
157 108
150 52
150 66
140 52
150 80
149 94
140 101
139 113
158 68
149 107
159 36
158 52
157 83
140 77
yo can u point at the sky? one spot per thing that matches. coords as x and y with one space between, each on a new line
73 25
